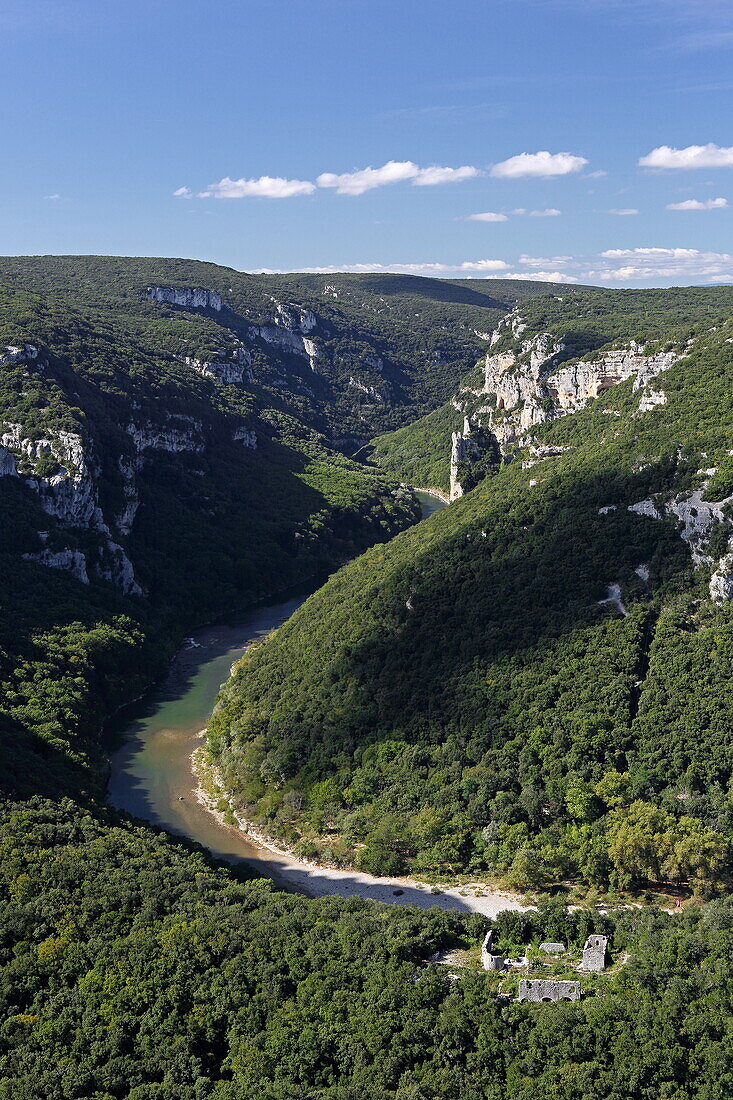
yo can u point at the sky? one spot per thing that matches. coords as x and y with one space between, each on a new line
584 141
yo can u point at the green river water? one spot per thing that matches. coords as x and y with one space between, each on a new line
150 773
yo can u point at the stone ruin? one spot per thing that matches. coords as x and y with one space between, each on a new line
489 960
544 989
594 953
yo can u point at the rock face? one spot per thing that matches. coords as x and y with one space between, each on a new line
471 445
463 449
72 561
697 518
229 371
246 437
527 386
594 953
25 353
185 435
287 329
188 297
542 989
60 468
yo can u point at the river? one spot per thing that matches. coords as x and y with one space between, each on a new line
151 774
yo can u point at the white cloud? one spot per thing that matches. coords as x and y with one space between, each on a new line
541 165
429 177
692 156
481 267
356 183
647 264
544 261
489 216
394 171
267 187
698 204
595 175
541 276
183 192
51 198
624 212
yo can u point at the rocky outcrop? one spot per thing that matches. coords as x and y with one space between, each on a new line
168 437
696 519
71 561
287 330
246 436
572 387
126 516
187 297
60 468
229 371
25 353
463 449
370 391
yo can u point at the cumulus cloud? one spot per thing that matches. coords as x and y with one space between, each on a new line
698 204
647 264
183 192
394 171
541 276
467 267
489 216
541 165
692 156
266 187
429 177
624 212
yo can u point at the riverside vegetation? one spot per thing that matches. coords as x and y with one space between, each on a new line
467 699
163 461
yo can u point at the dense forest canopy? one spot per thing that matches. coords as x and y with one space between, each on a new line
455 699
469 698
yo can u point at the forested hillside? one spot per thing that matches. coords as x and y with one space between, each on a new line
174 442
585 322
133 970
535 683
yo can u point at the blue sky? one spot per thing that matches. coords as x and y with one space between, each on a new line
264 114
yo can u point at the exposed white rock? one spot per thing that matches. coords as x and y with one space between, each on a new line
463 447
8 467
607 509
158 437
127 513
115 566
721 582
25 353
697 517
642 572
613 596
246 436
650 399
228 371
71 561
188 297
295 318
371 391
